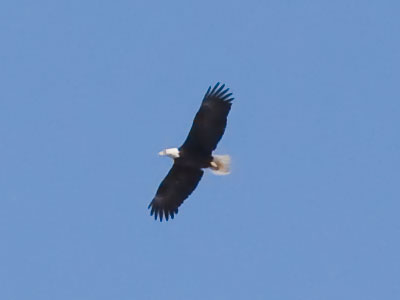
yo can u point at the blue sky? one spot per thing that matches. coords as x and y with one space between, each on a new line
92 90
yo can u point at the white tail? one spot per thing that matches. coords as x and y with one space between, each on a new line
221 164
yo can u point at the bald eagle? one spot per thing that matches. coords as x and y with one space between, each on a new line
195 154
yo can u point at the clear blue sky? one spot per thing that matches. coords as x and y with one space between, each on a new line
91 91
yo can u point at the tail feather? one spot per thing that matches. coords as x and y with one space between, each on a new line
221 164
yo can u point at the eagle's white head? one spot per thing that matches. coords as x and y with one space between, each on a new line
171 152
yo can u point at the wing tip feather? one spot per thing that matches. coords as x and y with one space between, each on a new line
218 92
162 214
214 88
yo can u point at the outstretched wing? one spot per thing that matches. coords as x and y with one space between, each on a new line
210 121
173 190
